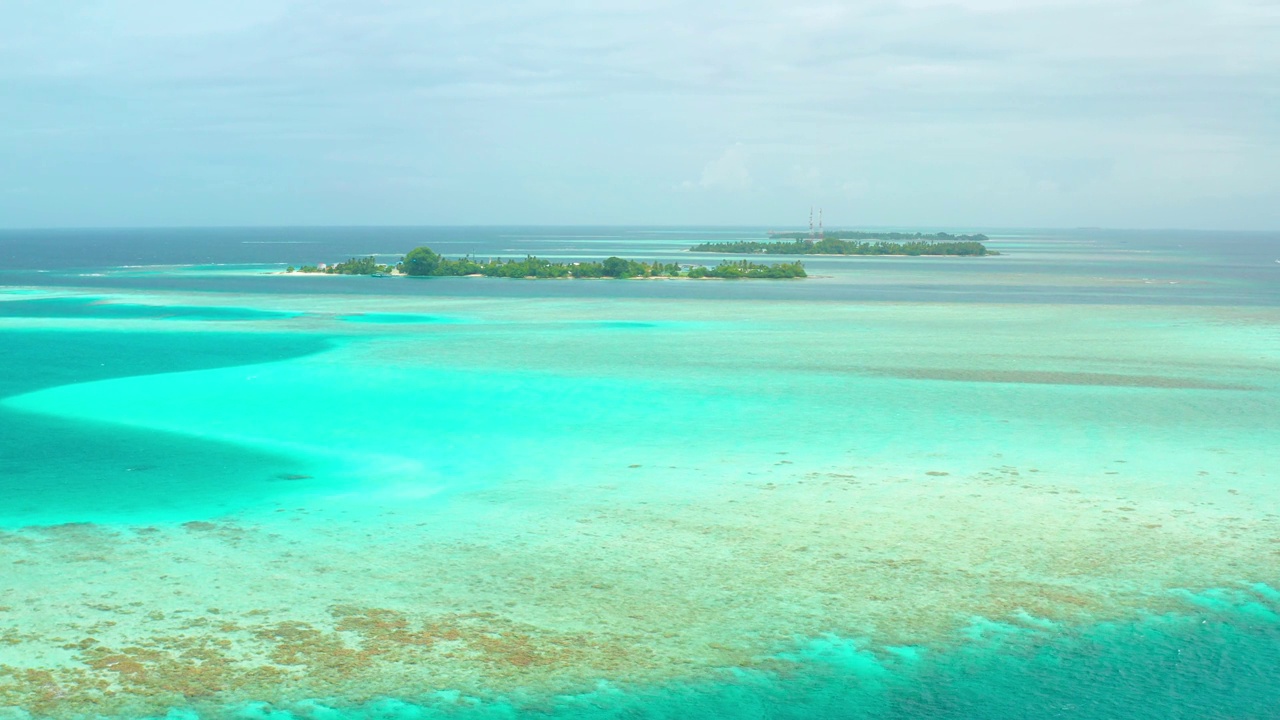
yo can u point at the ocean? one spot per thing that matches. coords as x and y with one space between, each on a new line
1040 484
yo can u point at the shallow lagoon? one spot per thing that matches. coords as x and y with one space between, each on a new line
592 504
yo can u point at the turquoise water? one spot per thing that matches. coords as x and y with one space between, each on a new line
1216 662
56 470
92 307
396 319
252 496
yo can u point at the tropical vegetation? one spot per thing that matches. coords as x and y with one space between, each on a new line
885 236
424 262
353 266
856 243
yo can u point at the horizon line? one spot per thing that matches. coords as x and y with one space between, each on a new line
692 226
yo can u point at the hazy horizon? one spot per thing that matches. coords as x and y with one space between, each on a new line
919 113
674 226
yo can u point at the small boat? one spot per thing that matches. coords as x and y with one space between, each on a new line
378 275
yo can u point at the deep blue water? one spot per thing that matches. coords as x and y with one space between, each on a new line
1185 267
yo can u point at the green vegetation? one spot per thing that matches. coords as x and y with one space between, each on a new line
353 266
856 243
885 236
423 262
744 269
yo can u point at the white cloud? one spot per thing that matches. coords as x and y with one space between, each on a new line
929 100
728 172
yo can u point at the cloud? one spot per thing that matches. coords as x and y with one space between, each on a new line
727 172
920 104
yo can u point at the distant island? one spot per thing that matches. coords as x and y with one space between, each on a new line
851 242
424 262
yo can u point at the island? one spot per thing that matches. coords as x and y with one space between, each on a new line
424 262
852 242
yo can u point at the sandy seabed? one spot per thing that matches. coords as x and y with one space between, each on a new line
559 493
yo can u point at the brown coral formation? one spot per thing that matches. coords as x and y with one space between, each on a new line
363 653
668 587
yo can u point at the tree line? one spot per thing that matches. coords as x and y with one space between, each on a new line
887 236
424 262
836 246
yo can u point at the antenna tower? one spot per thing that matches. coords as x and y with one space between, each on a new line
821 232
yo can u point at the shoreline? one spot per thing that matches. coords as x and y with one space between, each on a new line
526 277
800 255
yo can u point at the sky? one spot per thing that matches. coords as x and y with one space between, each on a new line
962 114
